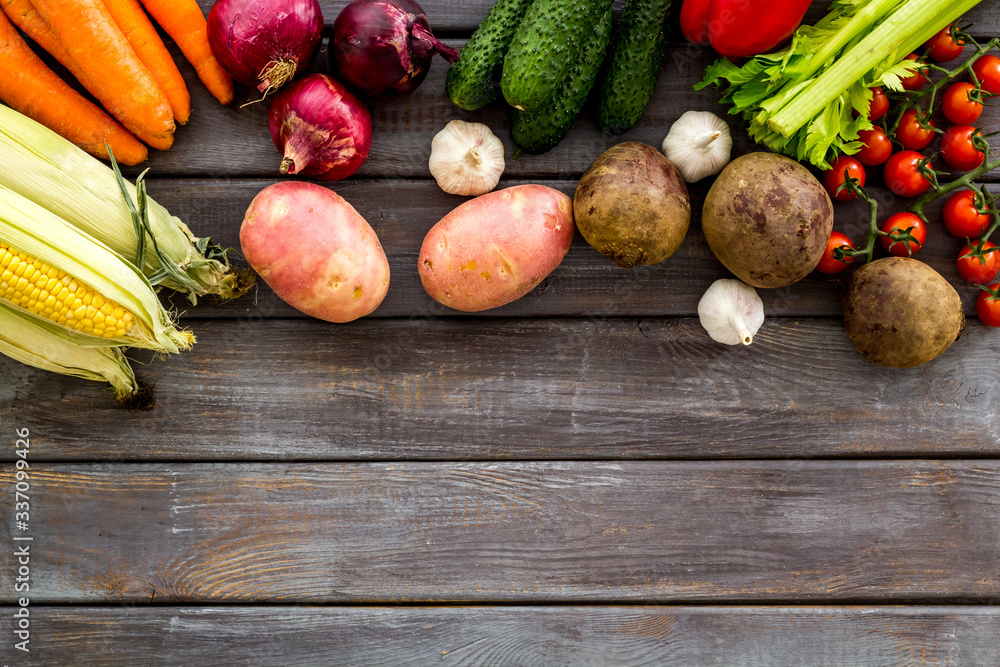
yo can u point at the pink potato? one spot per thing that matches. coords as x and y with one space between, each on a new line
494 249
315 251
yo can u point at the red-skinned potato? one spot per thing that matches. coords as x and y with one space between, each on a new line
496 248
315 251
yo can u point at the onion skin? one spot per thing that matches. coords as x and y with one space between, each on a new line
384 48
322 129
265 43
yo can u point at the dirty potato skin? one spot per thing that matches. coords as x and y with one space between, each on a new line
767 219
901 313
632 205
496 248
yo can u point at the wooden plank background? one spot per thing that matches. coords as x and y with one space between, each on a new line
521 389
884 636
544 532
313 494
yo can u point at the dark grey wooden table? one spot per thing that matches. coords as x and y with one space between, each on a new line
581 477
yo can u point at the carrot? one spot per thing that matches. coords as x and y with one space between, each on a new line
24 15
184 22
30 87
146 43
121 82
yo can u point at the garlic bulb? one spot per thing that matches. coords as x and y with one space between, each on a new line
698 144
466 158
731 312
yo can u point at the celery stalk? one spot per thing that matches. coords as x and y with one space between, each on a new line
861 21
911 21
930 29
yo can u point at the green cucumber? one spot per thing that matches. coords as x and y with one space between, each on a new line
474 81
548 43
537 132
637 52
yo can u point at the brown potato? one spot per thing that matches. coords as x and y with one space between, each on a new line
899 312
632 205
767 219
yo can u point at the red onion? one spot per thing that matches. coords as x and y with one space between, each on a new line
263 43
384 48
323 130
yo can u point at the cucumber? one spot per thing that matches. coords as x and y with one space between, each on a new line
636 54
474 81
537 132
548 43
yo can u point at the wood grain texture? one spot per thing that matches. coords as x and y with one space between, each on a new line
518 389
234 142
515 532
661 636
586 284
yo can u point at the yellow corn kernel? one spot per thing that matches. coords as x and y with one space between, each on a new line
50 293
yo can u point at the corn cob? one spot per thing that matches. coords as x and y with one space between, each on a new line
45 251
49 170
46 291
44 345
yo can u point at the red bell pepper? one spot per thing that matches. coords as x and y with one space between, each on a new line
694 19
741 28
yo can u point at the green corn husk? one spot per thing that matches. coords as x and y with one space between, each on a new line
49 170
38 232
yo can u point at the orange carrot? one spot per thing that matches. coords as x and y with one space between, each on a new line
122 83
30 87
184 22
146 43
24 15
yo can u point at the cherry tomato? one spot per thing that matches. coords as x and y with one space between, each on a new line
942 47
911 135
988 307
976 270
958 106
961 217
877 147
834 177
916 80
902 222
828 264
902 174
987 70
958 150
880 104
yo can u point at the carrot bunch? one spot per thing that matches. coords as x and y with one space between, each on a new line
112 48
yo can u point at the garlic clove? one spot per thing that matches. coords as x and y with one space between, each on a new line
699 144
466 158
731 312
